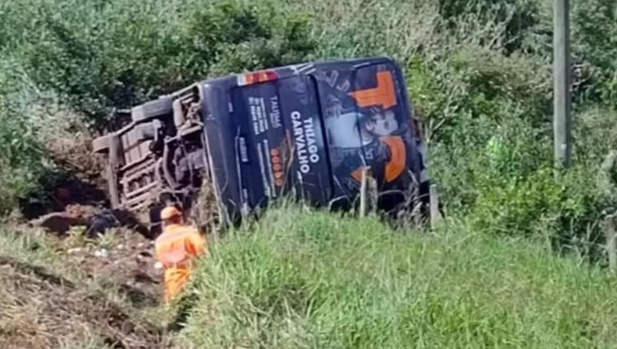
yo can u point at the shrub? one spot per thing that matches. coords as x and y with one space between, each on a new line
99 56
514 18
22 159
595 49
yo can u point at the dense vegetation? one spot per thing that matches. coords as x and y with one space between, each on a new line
479 73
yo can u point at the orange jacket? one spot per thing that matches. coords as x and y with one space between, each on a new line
174 248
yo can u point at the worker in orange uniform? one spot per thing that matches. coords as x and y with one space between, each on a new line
175 248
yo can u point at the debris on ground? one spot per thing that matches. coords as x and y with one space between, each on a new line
99 223
115 260
59 222
123 257
40 310
110 244
102 253
94 220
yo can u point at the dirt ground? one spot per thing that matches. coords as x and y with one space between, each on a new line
43 311
43 308
101 291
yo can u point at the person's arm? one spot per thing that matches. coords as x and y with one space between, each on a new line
202 243
197 244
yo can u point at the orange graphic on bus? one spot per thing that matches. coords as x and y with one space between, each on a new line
277 167
384 94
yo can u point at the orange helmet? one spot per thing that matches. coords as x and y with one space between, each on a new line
169 212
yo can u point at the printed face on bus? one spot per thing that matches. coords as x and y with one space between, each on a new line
382 124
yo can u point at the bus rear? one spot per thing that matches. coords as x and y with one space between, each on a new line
308 130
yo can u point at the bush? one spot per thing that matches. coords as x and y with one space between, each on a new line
567 210
514 18
22 157
21 161
98 56
474 85
595 48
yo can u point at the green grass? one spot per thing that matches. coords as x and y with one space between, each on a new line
313 280
479 71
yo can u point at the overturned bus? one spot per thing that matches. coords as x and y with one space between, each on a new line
304 130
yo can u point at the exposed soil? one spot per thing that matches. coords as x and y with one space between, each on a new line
40 310
77 182
128 262
75 156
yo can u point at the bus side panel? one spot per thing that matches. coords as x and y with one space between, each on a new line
280 141
220 133
309 173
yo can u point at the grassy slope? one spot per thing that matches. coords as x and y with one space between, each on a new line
49 299
313 280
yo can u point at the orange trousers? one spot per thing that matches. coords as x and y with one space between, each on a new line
176 280
174 248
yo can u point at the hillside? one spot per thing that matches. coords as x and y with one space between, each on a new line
313 280
519 262
68 294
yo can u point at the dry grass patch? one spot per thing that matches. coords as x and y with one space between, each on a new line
61 293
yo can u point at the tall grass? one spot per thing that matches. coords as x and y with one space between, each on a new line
313 280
